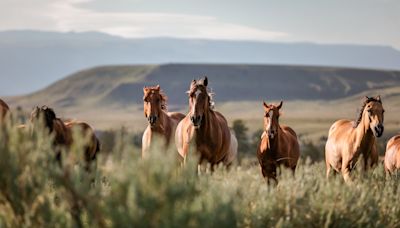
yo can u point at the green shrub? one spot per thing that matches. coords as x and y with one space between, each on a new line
127 191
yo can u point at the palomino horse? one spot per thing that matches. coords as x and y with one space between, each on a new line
278 146
347 140
161 122
392 155
207 129
63 133
4 109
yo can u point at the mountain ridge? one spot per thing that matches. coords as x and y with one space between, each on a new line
28 55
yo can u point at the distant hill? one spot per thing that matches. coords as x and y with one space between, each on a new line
121 86
30 60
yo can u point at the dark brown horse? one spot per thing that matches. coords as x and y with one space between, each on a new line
63 133
162 123
4 110
392 155
278 146
347 140
92 147
205 128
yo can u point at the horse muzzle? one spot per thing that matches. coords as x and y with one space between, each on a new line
271 133
152 120
196 120
378 130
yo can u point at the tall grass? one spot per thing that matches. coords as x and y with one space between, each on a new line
126 190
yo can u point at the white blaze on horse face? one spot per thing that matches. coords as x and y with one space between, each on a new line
271 115
197 93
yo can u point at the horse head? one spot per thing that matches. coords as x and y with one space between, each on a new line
45 114
199 101
154 102
271 119
372 115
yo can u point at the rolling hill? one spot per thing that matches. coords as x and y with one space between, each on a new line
26 56
122 85
111 96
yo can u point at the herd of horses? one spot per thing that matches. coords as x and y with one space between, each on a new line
62 132
206 132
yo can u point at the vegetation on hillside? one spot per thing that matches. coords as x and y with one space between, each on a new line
126 190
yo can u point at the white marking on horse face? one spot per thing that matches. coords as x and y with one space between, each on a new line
198 91
271 114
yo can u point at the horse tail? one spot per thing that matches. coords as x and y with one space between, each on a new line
98 147
231 156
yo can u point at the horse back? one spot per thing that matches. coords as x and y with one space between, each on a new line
392 155
177 116
4 109
292 146
226 137
341 127
63 135
93 145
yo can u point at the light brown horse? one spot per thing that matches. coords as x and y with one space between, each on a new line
278 146
347 140
63 133
205 128
392 155
4 110
162 123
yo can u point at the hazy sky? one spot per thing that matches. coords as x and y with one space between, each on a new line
322 21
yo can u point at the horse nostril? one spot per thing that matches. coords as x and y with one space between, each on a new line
152 119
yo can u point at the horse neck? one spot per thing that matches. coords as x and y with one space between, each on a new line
273 144
363 133
206 129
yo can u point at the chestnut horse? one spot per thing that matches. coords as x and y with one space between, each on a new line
278 146
4 110
161 122
347 140
392 155
206 129
63 133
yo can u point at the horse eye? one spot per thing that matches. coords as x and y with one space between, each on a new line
369 111
383 111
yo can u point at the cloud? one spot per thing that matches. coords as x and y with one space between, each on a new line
67 15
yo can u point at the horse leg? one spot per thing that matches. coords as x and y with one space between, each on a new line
199 165
328 169
346 173
293 171
365 169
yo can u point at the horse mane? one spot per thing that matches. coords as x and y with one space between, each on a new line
4 104
361 111
210 93
164 97
49 115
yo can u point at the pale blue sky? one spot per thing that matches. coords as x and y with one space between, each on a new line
320 21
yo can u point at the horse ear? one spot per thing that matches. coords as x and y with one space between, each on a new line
144 89
378 98
205 81
280 105
158 87
265 104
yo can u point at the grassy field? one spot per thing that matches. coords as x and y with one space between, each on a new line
126 190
